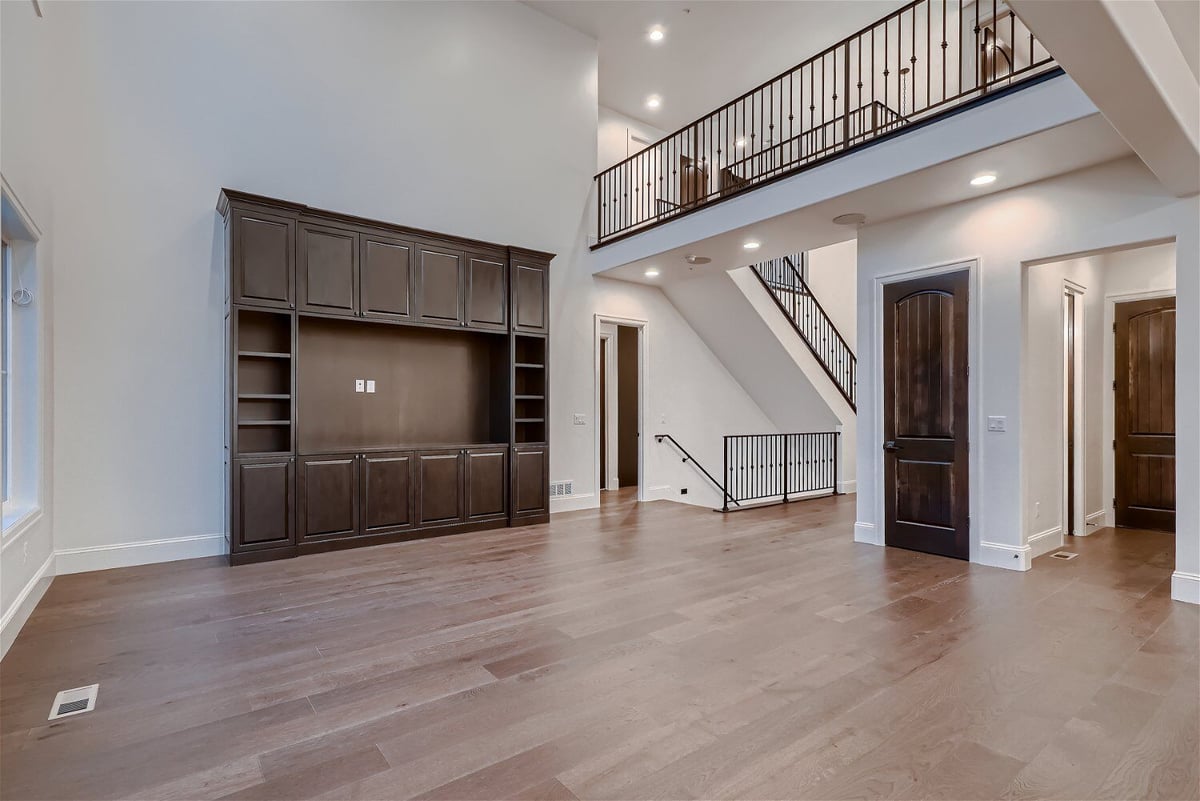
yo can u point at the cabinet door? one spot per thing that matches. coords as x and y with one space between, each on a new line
263 512
388 486
531 297
439 286
386 270
327 270
263 257
328 493
487 293
485 470
531 487
439 487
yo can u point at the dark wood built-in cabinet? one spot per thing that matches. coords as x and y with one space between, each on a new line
449 337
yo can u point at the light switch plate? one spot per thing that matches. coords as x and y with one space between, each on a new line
370 385
580 420
360 385
997 424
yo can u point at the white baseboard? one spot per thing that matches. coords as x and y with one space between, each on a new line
1045 541
868 533
573 503
25 602
847 487
1008 557
1185 587
1097 519
661 493
128 554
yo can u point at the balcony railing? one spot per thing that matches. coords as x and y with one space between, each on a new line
920 62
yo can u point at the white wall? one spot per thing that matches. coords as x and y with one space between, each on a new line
833 277
1108 206
123 120
615 134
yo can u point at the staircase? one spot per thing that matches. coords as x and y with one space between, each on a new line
784 279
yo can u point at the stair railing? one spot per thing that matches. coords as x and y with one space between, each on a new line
787 285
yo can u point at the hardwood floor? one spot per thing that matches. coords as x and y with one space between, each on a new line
636 651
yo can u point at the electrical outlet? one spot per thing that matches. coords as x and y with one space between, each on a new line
370 385
580 420
683 491
997 424
1037 508
360 385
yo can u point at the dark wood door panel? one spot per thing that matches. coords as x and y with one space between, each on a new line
328 493
263 510
925 415
263 259
485 484
487 293
327 270
439 487
1144 435
530 297
386 277
388 491
439 286
530 481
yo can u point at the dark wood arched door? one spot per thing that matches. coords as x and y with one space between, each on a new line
925 415
1144 439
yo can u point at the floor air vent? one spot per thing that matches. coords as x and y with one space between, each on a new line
1063 555
562 489
74 702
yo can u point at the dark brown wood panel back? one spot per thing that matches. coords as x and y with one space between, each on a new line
1145 414
925 415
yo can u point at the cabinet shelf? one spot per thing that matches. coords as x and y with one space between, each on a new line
262 354
262 396
264 422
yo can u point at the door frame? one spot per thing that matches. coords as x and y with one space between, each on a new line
608 477
974 408
1079 515
1109 466
642 329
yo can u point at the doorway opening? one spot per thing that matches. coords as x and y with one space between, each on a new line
1098 397
620 388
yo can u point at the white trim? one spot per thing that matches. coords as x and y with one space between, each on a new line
1098 519
642 327
24 604
847 487
1185 587
1045 541
128 554
573 503
1079 327
662 492
1009 557
26 219
976 480
22 525
868 533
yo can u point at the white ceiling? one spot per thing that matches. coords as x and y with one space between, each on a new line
713 50
1056 151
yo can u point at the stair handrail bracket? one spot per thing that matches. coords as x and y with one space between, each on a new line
917 63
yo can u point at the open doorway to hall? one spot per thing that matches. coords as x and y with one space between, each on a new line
619 379
1098 397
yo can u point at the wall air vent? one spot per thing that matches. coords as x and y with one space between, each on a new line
562 489
74 702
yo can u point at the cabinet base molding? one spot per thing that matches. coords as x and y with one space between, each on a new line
367 540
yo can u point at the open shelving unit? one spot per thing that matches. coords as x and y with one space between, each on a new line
529 389
263 379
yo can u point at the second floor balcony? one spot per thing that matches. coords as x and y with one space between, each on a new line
921 62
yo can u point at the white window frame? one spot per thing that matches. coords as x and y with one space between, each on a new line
6 375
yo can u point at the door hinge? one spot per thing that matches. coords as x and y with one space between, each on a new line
1114 444
1114 385
1114 327
968 521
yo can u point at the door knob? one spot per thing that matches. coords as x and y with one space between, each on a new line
890 446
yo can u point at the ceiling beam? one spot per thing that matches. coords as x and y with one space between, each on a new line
1125 58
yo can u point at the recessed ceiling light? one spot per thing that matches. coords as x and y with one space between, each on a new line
656 34
692 258
653 101
651 272
984 179
853 218
751 245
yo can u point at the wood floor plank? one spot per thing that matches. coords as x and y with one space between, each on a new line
633 651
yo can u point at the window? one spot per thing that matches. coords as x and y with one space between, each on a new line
6 371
